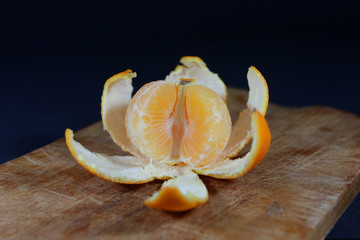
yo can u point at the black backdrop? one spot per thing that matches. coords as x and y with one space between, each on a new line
56 56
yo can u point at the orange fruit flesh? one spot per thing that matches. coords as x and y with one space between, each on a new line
150 111
209 126
181 122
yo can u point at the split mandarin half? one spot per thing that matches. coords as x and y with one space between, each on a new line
176 129
148 118
209 126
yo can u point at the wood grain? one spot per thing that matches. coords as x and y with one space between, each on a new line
309 177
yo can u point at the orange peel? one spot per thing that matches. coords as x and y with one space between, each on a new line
195 68
258 100
176 129
181 193
121 169
229 168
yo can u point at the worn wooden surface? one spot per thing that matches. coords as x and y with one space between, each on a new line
308 178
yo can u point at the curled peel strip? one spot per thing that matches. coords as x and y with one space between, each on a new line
258 99
181 193
229 169
121 169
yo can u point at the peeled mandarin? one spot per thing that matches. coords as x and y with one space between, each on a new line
178 122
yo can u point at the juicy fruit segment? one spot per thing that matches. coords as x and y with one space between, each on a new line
147 119
181 122
209 126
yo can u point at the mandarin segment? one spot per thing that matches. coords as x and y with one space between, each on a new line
209 126
147 119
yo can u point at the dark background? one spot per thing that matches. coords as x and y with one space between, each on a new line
56 56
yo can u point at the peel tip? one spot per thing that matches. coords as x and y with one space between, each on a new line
188 60
172 200
68 131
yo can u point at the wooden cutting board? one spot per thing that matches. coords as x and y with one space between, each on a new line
308 178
